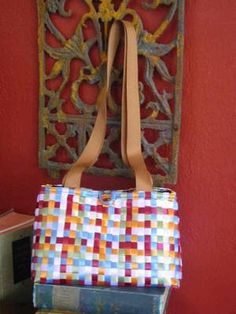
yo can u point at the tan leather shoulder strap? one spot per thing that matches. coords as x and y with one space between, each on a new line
131 129
94 146
114 39
133 136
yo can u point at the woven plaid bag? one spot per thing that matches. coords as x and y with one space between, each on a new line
109 238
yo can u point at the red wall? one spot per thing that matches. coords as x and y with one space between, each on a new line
207 170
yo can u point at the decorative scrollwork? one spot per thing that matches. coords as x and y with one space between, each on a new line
66 118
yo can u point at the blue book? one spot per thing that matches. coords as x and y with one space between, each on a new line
101 300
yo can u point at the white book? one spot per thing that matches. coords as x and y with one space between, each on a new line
15 257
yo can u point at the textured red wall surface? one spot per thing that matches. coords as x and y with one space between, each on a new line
207 168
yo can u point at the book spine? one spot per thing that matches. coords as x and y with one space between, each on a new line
15 257
87 300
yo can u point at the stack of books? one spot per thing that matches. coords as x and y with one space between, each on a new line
60 299
16 286
15 257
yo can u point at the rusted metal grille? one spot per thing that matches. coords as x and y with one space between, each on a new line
72 37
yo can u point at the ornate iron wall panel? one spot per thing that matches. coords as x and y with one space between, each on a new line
72 56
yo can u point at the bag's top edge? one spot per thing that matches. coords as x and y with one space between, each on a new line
61 189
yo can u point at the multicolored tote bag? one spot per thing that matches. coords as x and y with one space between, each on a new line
109 238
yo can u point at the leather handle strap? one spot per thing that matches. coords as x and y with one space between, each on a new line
133 128
94 145
124 109
131 131
113 42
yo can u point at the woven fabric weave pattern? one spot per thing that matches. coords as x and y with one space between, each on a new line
106 238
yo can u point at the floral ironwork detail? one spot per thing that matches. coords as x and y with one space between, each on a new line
68 131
